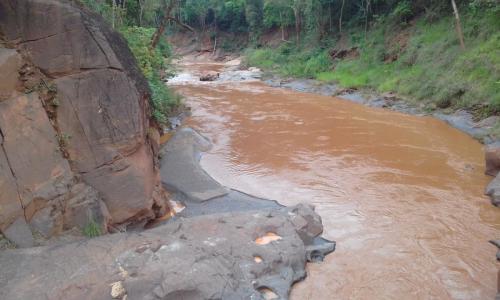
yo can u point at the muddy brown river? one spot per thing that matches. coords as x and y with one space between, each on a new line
401 194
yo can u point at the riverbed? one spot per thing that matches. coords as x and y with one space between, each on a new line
402 195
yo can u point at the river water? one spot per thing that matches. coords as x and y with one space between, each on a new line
401 194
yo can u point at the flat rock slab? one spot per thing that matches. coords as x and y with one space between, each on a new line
204 257
180 170
233 201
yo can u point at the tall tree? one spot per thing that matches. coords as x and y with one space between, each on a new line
254 12
298 7
341 15
458 24
167 16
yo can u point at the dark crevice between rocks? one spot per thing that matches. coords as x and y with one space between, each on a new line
34 80
56 75
43 37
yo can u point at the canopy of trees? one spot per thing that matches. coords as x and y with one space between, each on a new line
314 18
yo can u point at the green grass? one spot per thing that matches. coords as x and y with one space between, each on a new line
288 61
431 69
92 229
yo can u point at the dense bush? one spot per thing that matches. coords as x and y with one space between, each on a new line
151 61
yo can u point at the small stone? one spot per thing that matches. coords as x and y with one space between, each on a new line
268 294
267 238
257 259
209 76
117 290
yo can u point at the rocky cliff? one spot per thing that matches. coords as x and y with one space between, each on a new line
74 123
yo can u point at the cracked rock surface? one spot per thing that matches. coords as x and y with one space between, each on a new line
203 257
94 129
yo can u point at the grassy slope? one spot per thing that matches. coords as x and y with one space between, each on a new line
430 67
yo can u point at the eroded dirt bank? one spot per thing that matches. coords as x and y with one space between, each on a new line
402 195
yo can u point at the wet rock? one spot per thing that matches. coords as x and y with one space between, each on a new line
492 158
493 190
251 74
497 244
232 201
209 76
205 257
20 234
319 249
464 121
180 169
307 223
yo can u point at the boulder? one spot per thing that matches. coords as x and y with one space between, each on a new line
493 190
209 76
102 116
492 158
307 222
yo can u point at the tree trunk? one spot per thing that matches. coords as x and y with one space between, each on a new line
282 27
330 20
367 10
163 23
458 25
141 11
113 13
297 24
341 14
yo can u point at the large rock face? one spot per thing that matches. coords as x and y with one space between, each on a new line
97 132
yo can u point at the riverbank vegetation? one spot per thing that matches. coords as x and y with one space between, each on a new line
441 54
136 21
437 54
419 57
